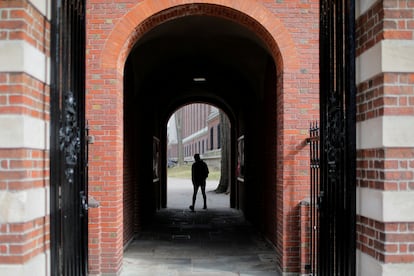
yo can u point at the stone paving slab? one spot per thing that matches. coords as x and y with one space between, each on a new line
204 248
212 242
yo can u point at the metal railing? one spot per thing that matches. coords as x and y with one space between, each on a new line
313 142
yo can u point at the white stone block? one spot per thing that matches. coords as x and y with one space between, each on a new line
43 6
23 132
368 266
385 206
20 56
361 6
37 266
23 206
387 56
385 131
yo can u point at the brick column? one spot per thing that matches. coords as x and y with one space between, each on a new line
94 236
24 154
305 236
385 157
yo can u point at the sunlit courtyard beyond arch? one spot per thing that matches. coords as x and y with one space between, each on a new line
180 191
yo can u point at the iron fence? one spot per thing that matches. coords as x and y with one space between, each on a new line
315 196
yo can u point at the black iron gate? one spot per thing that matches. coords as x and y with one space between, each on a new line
337 139
68 153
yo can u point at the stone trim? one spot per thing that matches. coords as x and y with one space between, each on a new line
368 266
385 132
362 6
20 56
43 6
39 265
385 56
385 206
23 132
25 205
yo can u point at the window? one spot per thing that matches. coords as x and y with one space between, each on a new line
211 138
218 137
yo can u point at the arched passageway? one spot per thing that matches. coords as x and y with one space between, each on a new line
190 59
151 63
198 59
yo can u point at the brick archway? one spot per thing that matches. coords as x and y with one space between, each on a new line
104 110
250 14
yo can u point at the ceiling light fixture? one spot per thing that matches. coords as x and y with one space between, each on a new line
199 79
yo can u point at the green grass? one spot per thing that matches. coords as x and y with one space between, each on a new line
184 171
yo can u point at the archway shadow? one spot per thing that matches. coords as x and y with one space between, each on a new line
216 241
209 242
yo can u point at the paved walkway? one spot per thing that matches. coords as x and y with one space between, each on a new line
212 242
180 193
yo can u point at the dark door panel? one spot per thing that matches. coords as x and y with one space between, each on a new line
68 152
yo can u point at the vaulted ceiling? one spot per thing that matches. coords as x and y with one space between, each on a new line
165 61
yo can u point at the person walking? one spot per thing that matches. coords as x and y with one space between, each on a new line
199 173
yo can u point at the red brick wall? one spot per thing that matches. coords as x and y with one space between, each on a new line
20 20
270 156
19 242
386 242
129 191
384 20
20 170
386 94
23 169
294 111
388 169
290 30
94 241
22 94
305 237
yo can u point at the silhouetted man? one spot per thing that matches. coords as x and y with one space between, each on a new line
199 173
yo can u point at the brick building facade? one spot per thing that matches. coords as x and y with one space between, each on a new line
200 132
281 68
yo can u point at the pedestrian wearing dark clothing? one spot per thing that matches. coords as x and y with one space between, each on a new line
199 173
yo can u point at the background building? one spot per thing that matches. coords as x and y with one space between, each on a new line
200 132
